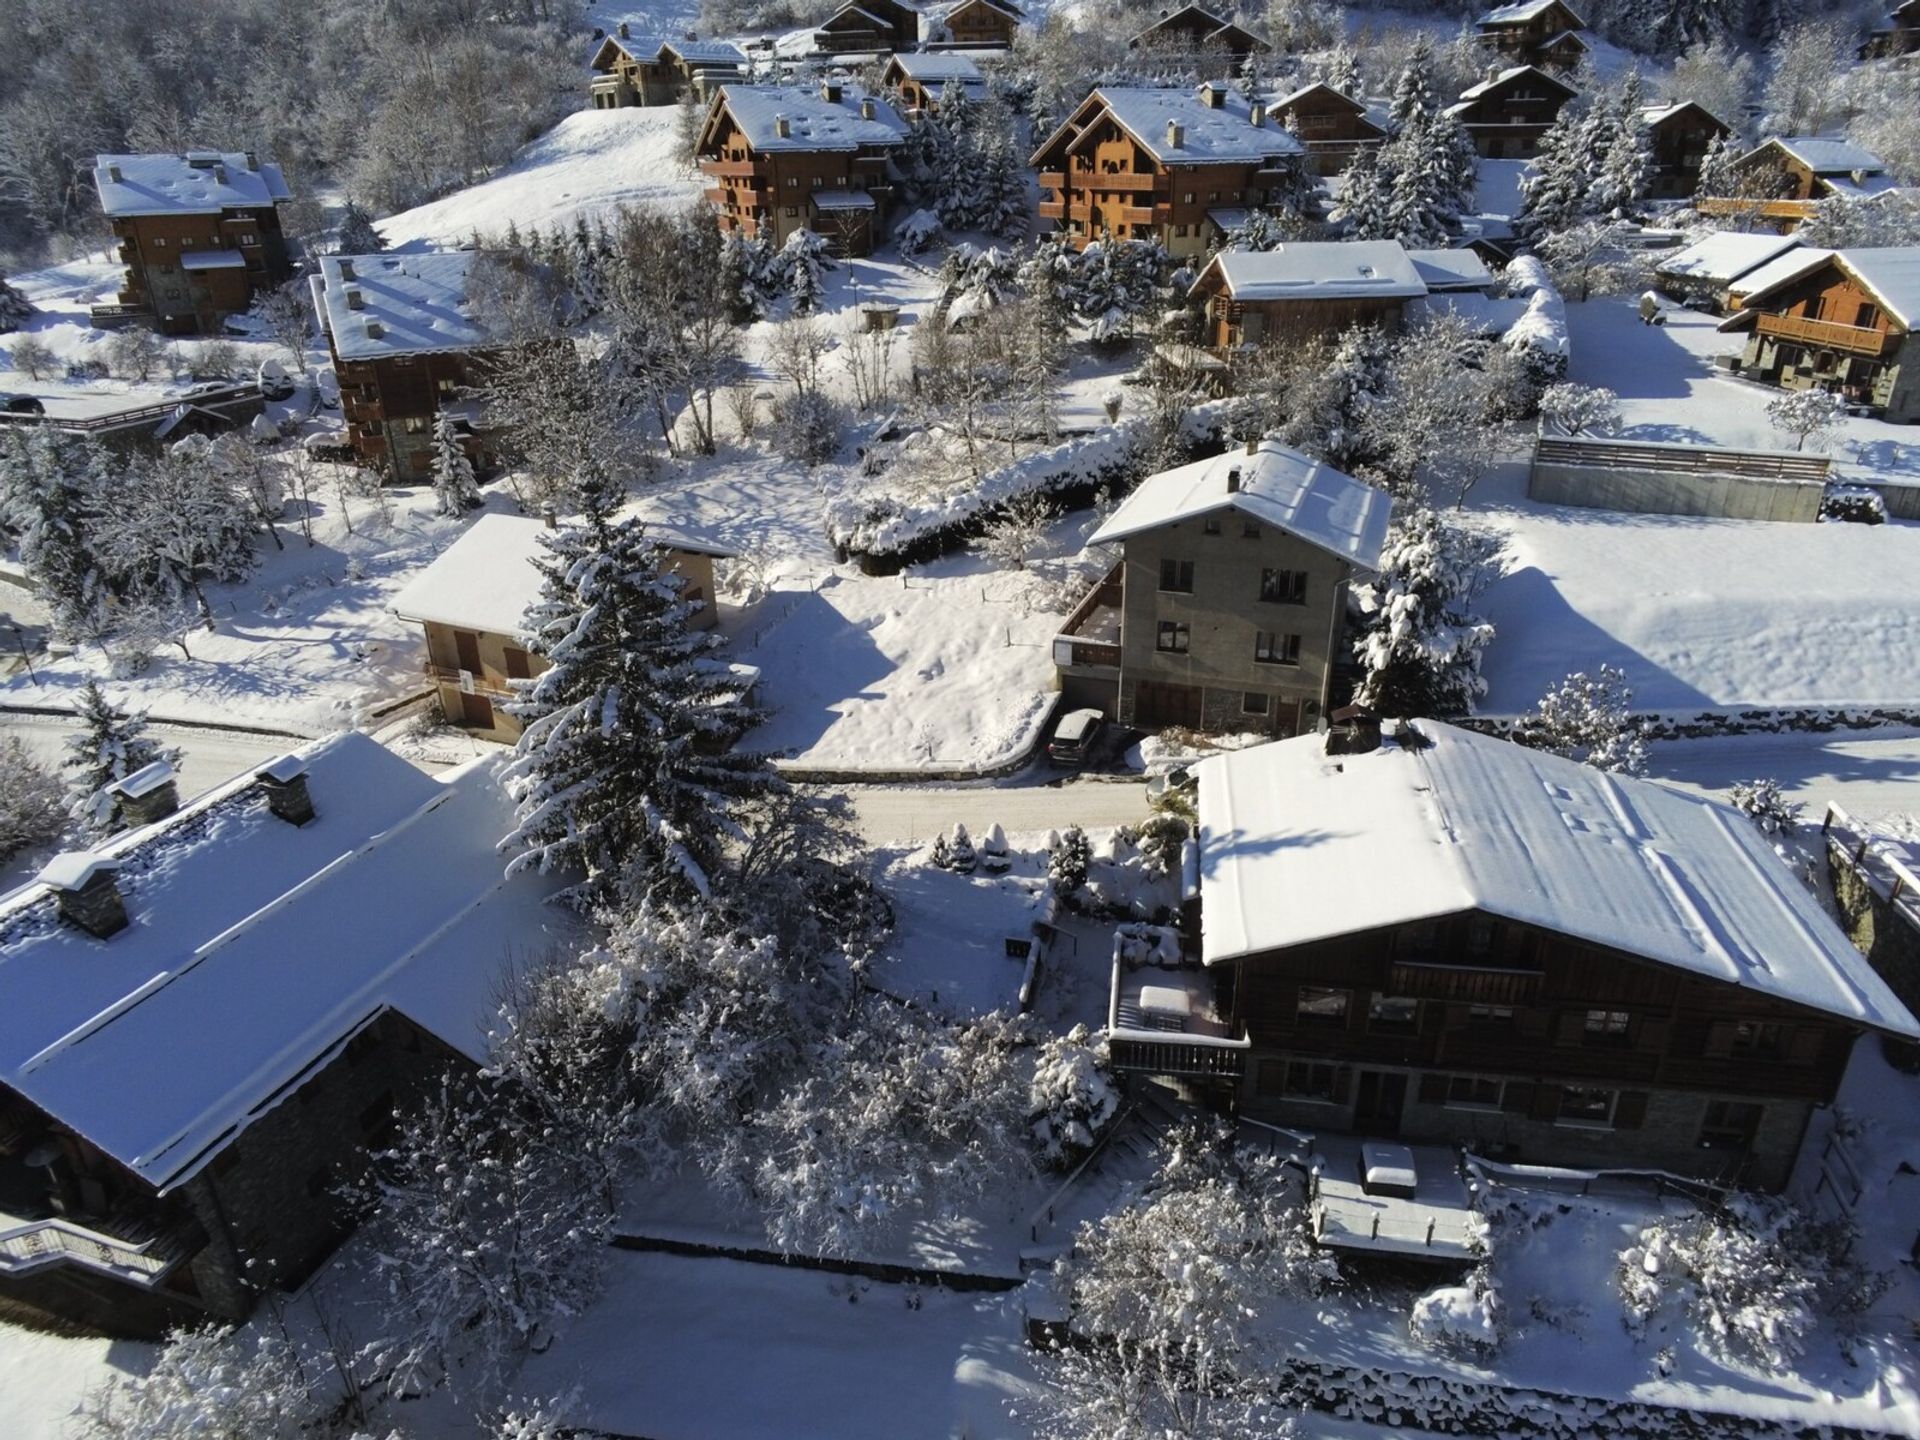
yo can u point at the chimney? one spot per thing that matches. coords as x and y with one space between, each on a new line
375 330
623 31
1176 134
1258 115
866 107
147 795
253 159
88 892
1253 444
1354 731
113 173
1214 95
1233 481
782 127
346 271
356 299
830 91
220 174
549 517
284 783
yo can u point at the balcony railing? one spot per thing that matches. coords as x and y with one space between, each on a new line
1463 980
1123 181
1071 647
477 682
38 1244
735 169
1178 1056
1859 339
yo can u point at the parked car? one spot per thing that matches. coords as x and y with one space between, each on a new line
1076 737
273 380
22 404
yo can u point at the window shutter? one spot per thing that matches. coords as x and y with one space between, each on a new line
1805 1046
1518 1099
1546 1102
1433 1087
1630 1110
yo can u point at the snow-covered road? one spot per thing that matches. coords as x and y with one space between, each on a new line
902 815
206 756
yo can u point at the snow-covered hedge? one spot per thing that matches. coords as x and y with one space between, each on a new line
1540 333
1707 724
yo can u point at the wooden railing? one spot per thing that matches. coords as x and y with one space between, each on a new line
1069 648
1482 984
41 1243
1681 459
1858 338
1177 1055
481 682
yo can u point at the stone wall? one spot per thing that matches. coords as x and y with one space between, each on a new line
1646 492
1877 926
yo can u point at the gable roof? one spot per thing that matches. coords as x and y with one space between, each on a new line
1212 27
1525 10
196 182
1891 274
1451 270
943 12
813 121
410 304
1318 270
1208 135
938 65
1821 155
648 50
256 948
1506 77
1319 87
1783 267
1297 846
1725 256
1277 486
1654 115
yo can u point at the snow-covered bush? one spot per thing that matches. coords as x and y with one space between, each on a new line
1068 862
1460 1320
1589 719
1761 802
806 425
1073 1096
15 311
33 803
1580 409
995 858
917 232
1852 505
32 357
1161 841
961 855
1806 415
1418 640
1018 533
206 1385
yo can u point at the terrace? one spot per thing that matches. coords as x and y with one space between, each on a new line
1090 638
1164 1017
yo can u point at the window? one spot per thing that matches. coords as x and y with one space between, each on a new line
1180 232
1255 702
1392 1012
1283 587
1271 649
1213 197
1176 576
1868 317
416 425
1489 1015
814 183
159 242
1320 1006
1606 1026
1249 530
1312 1080
1473 1092
1171 637
793 182
1729 1125
1757 1038
1210 525
1585 1105
1187 199
792 210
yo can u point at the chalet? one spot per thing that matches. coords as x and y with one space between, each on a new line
473 599
1785 176
971 25
790 158
1712 268
1194 30
1333 127
1225 610
1140 164
921 77
1898 34
405 341
210 1022
869 27
198 232
1534 32
1843 323
1303 289
1679 135
655 70
1507 114
1784 266
1443 936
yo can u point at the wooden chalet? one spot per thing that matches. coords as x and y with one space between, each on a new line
1784 177
1304 289
1843 321
1333 127
654 70
405 341
921 77
1897 34
1138 164
1679 135
869 27
1447 937
1534 32
1195 30
787 158
199 233
972 25
1507 114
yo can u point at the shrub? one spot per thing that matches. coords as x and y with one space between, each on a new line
1073 1097
1761 802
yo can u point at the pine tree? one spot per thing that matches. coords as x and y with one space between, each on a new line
454 486
1419 644
621 771
176 520
15 309
803 258
1554 188
1413 91
49 488
113 744
356 235
1366 197
1718 177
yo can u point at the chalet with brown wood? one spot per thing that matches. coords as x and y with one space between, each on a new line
921 77
1898 34
869 27
406 341
1333 127
473 601
787 158
1139 164
1446 937
1784 177
1225 610
1841 321
1534 32
199 234
1678 136
1301 290
1507 114
631 69
971 25
1193 30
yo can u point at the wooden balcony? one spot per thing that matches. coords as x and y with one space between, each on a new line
1053 179
1176 1056
1463 982
1091 634
482 682
1855 339
1053 209
1125 181
137 1250
735 169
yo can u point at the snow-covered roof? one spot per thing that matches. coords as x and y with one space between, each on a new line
198 182
1293 97
647 49
1520 13
255 948
1276 486
813 121
1451 269
939 65
407 304
1494 82
1297 846
842 200
1725 256
1866 187
1318 270
1824 156
213 260
1892 273
1207 136
1652 115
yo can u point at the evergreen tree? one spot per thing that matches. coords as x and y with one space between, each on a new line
1418 643
176 520
1718 177
15 310
802 259
622 771
1366 197
1413 91
49 488
356 235
1554 187
113 744
454 486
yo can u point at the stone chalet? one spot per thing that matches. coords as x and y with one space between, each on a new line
657 70
1507 115
1440 936
785 158
921 77
1226 609
210 1022
1194 29
198 232
405 338
473 599
1333 127
1679 135
1841 321
1175 166
1785 176
1534 32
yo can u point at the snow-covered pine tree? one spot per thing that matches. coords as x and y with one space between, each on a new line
622 771
803 259
176 520
455 489
1068 862
1418 641
1554 188
1718 175
49 487
33 802
1676 24
1622 161
1366 197
112 744
1421 206
1341 69
1001 186
1413 90
15 309
357 235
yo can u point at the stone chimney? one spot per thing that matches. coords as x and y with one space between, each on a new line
1233 481
88 892
830 91
867 111
356 300
284 783
1214 95
782 127
1253 444
1176 135
346 270
253 159
375 330
1257 116
147 795
220 174
624 35
1354 731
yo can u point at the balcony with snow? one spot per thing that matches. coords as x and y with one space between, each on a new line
1409 1201
1165 1016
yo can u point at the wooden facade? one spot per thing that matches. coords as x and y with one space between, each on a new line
1679 136
1898 34
1829 330
1508 115
188 272
1193 29
629 71
1538 34
1232 321
1333 127
920 85
976 25
869 27
389 405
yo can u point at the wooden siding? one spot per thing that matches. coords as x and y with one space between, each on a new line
185 302
771 191
1232 323
389 406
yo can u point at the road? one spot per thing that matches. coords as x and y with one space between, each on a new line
905 815
207 757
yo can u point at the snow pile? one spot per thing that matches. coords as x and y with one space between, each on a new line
1458 1319
1073 1096
1541 329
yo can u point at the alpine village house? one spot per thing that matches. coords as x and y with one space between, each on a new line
198 232
971 25
788 158
1196 31
1166 165
1678 136
1785 176
404 339
869 27
1436 935
1507 115
921 77
1333 127
1534 32
1225 610
653 70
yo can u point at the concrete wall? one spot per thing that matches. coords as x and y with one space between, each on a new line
1890 941
1645 492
